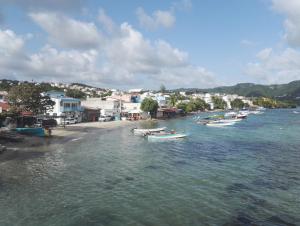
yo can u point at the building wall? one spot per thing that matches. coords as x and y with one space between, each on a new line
131 106
107 107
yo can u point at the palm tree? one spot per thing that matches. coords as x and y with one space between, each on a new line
173 100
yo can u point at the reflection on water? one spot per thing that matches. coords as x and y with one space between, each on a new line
248 174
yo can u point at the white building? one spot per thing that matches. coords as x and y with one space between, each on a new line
108 107
159 97
65 107
208 100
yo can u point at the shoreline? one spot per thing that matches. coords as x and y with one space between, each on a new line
30 145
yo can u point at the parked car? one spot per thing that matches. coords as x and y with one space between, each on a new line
49 123
104 118
70 121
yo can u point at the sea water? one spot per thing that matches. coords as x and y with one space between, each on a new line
246 174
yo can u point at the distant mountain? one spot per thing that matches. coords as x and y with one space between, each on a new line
285 92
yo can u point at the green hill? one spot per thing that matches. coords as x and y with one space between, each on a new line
284 92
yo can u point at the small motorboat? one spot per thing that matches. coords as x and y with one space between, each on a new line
166 136
296 112
223 122
37 131
148 131
230 114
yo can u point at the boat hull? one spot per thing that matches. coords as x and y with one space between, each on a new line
166 136
39 132
148 131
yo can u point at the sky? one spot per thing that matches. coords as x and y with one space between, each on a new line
143 44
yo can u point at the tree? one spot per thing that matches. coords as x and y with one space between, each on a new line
182 106
200 104
162 88
219 103
173 100
237 104
149 105
75 93
28 97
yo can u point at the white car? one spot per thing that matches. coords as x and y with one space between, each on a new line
70 121
103 118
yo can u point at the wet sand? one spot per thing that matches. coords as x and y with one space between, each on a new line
75 129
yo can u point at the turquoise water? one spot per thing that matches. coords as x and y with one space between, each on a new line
247 174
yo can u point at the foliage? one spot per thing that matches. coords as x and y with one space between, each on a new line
237 104
182 106
75 93
107 94
6 84
173 100
149 105
193 105
271 103
219 103
45 87
200 104
27 97
162 88
283 92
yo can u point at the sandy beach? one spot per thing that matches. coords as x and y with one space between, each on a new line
75 129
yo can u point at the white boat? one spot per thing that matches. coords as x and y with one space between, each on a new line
230 114
230 120
261 108
220 124
296 112
169 136
148 131
223 122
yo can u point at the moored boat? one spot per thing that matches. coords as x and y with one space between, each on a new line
169 136
220 124
38 131
148 131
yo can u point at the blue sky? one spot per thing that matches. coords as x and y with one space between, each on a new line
122 44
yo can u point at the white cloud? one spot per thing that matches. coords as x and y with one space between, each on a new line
10 43
106 21
291 9
276 67
264 54
158 19
126 59
67 32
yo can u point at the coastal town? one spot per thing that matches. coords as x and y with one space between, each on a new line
112 105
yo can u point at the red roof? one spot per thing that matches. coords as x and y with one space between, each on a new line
4 106
26 113
167 109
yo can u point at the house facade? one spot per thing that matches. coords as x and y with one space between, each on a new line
65 107
108 107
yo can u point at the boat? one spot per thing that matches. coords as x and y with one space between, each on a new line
242 114
37 131
220 124
261 108
148 131
296 112
168 136
230 120
230 114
